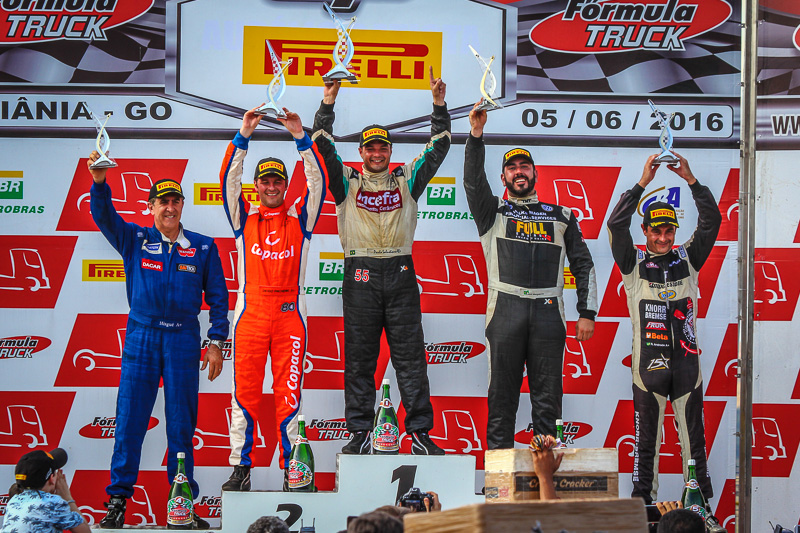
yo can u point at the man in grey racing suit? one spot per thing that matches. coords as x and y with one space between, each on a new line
377 216
661 285
525 242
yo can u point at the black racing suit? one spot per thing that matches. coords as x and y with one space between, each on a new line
662 301
377 216
525 243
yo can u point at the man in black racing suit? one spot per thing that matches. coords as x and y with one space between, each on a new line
525 242
661 285
377 216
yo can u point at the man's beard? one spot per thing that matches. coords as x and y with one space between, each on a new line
521 191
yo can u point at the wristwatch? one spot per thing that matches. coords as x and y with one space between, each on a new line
216 342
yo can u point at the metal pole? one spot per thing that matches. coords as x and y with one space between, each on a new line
747 181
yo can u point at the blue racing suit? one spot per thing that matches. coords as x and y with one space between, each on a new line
165 283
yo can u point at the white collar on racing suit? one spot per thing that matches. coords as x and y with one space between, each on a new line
181 240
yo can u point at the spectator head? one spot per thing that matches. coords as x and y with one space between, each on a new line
35 468
681 521
375 522
268 524
394 510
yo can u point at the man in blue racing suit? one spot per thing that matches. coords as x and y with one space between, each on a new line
167 272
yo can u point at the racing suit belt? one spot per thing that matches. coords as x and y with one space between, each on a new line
378 252
522 292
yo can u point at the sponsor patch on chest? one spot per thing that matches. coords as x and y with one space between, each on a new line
530 231
192 269
152 265
379 201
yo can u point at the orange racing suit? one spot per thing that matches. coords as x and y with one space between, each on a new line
270 315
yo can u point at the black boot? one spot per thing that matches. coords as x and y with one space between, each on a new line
115 516
359 444
421 444
239 480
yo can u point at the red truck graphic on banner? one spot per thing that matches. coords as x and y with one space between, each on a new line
777 285
32 269
31 420
145 508
451 277
93 356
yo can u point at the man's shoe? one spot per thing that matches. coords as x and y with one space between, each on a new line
239 480
199 523
713 525
115 516
421 444
359 444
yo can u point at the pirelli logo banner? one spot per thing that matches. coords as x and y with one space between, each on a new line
211 194
383 59
103 270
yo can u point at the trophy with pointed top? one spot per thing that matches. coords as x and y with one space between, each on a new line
276 87
343 51
488 84
102 143
665 139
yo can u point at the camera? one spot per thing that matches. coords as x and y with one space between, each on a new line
414 499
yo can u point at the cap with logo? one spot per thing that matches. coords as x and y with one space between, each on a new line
517 152
34 468
659 213
165 187
270 166
374 133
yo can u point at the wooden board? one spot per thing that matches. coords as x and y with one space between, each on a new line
574 516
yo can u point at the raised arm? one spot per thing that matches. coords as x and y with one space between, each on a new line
322 136
230 173
482 203
119 233
424 167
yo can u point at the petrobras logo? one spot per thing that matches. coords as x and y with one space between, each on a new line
572 431
103 427
383 59
379 201
320 429
22 347
671 195
23 21
602 26
10 185
331 266
211 194
452 352
441 191
99 270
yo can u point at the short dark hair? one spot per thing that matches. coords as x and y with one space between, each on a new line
681 521
375 522
268 524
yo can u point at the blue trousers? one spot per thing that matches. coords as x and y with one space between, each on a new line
149 355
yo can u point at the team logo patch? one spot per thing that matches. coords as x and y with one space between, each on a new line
168 185
152 265
152 248
379 201
650 264
656 325
547 207
530 231
659 363
187 268
188 252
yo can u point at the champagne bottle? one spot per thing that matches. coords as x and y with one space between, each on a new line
301 461
180 509
560 442
692 497
386 433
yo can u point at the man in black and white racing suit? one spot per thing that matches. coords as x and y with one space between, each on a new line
525 242
377 216
661 284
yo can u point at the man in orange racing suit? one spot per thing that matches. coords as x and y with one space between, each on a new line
272 241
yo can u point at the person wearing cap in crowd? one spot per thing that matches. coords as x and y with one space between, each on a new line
272 241
377 216
168 272
525 242
40 498
661 285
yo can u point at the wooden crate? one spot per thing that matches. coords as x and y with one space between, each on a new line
574 516
585 473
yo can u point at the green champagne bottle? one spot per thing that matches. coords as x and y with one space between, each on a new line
180 509
301 461
560 442
692 497
386 433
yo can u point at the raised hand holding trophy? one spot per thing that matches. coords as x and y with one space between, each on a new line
102 143
343 51
488 84
665 139
276 87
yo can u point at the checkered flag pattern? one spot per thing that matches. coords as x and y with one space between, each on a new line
778 55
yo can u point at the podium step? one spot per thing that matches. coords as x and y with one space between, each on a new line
363 483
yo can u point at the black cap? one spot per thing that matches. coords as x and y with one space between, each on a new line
517 152
375 133
659 213
34 468
270 166
165 187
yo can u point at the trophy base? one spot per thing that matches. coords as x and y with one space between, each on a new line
103 162
488 105
268 109
667 158
340 73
